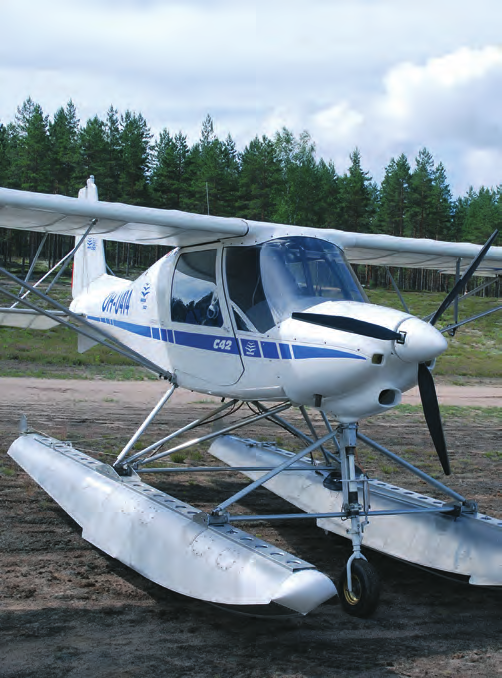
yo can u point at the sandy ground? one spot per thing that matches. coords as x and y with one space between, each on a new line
19 391
66 609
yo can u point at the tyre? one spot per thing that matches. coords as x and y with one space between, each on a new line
363 599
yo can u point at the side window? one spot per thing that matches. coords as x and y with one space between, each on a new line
194 297
245 287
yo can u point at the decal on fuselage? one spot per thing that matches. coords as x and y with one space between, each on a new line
144 294
117 302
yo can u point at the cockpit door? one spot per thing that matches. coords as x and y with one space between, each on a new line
204 344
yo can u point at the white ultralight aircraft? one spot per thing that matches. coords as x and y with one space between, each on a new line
274 317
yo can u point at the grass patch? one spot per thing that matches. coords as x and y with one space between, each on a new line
475 351
178 457
494 455
452 411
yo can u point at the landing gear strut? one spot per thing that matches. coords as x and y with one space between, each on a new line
359 584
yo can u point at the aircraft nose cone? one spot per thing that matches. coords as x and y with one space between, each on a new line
423 342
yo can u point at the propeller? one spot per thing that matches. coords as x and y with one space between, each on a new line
345 324
426 385
461 284
432 415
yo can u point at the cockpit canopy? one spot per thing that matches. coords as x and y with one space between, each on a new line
268 282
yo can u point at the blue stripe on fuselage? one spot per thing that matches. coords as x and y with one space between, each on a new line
214 342
306 352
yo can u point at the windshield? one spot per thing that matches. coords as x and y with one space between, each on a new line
271 281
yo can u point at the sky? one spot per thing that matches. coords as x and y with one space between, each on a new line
387 76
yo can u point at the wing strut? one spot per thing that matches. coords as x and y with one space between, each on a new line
62 262
93 333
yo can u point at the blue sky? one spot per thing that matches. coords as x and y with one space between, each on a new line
386 75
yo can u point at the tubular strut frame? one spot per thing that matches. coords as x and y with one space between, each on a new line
92 332
344 438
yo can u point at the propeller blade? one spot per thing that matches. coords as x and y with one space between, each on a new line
461 284
432 415
344 324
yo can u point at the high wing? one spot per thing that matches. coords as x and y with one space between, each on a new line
388 250
151 226
114 221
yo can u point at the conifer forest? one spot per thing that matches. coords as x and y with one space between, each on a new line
278 179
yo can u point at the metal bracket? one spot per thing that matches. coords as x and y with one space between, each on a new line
214 518
470 506
124 471
456 509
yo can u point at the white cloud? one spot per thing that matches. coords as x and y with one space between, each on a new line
484 166
384 75
452 104
340 121
457 96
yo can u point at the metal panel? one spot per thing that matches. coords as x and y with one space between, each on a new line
469 545
156 534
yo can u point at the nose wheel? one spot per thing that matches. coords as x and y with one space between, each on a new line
361 598
359 583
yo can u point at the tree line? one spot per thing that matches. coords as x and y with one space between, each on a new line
278 179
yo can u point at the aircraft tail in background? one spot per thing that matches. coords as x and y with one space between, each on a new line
89 262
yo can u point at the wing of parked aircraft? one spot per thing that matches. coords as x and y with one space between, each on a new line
151 226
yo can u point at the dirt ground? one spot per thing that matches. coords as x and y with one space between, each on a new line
66 609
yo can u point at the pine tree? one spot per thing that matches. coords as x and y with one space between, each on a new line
298 197
94 152
63 135
136 156
459 214
169 178
259 180
422 197
109 190
4 156
395 197
208 167
328 205
357 197
32 160
230 174
442 206
483 215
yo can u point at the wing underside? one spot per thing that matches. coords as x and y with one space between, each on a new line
386 250
114 221
150 226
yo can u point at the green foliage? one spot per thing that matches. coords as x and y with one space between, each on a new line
475 349
93 150
357 197
278 179
169 174
260 176
63 136
393 214
31 161
135 155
